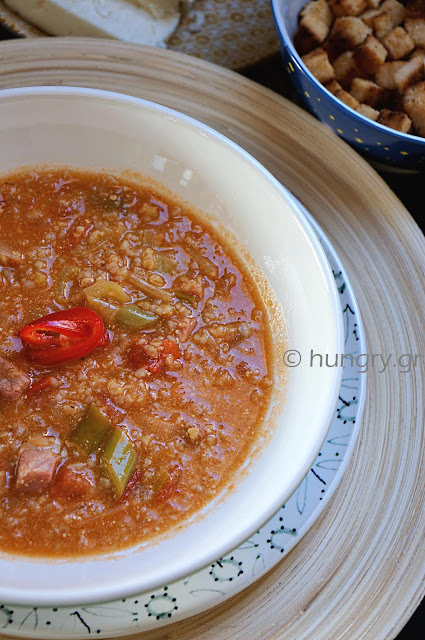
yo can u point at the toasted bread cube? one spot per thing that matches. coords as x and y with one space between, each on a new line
317 62
348 32
333 86
310 33
347 7
367 111
370 55
368 92
396 11
415 27
409 73
346 69
414 105
381 24
395 120
398 43
368 16
418 53
373 4
347 99
385 75
320 9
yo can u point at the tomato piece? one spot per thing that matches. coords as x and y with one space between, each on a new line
63 335
72 485
137 357
41 384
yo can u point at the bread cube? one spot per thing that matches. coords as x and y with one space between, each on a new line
320 9
398 43
373 4
385 75
417 53
370 55
347 7
333 86
368 92
311 33
345 68
317 62
409 73
347 99
368 16
381 24
415 27
414 105
368 112
348 32
395 120
396 11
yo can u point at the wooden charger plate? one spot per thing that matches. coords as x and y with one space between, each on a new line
359 573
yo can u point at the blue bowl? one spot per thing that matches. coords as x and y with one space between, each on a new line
373 140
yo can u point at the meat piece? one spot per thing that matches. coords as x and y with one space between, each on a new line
185 328
35 469
13 381
71 483
193 286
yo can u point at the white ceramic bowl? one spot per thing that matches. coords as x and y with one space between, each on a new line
93 129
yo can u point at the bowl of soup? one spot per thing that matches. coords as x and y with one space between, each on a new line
161 298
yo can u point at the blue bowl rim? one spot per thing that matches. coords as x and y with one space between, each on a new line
283 32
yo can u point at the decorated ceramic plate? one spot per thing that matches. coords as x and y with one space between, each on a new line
231 33
265 548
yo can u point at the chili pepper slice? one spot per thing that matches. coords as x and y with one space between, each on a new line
62 336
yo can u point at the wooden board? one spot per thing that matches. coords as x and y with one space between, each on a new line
231 33
360 571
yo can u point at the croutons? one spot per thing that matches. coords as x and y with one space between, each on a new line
409 73
385 75
370 55
368 92
333 86
347 7
398 43
345 68
348 32
347 99
415 27
313 29
368 112
318 63
395 120
414 105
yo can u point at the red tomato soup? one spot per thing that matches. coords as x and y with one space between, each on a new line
135 363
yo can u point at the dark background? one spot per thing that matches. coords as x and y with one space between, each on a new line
408 187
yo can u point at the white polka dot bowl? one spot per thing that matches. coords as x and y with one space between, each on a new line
376 142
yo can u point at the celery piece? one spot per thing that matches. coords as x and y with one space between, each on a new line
160 478
118 460
65 281
107 310
132 317
91 430
149 289
107 290
164 264
186 297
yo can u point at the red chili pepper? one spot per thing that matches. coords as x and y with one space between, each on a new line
41 384
62 336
